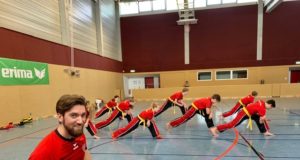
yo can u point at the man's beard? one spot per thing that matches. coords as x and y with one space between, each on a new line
74 131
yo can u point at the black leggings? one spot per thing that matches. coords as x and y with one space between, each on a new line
166 106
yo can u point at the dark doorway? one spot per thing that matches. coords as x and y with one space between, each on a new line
149 82
295 76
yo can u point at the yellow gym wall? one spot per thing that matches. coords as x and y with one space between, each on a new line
18 101
270 74
275 77
226 91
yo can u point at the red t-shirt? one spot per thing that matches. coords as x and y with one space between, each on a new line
247 100
257 108
111 103
56 147
124 106
177 95
203 103
147 114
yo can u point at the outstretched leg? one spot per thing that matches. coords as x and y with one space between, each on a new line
187 116
235 122
109 120
164 107
132 125
102 111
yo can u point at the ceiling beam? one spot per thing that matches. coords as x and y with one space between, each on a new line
272 5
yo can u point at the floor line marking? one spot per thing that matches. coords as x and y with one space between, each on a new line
235 141
25 135
260 155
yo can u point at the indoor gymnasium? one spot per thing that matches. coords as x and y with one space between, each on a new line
149 79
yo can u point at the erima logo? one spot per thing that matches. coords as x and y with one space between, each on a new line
75 146
40 74
22 73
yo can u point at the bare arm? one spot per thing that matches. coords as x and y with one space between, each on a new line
180 102
148 123
262 118
208 111
177 102
87 155
128 111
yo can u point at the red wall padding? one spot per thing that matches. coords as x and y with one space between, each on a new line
152 42
222 38
281 43
225 37
21 46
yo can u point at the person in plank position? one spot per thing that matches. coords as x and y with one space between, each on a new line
175 99
109 107
145 118
200 106
122 110
243 102
254 111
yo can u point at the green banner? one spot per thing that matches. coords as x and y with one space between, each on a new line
17 72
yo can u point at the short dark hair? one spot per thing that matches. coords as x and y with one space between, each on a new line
185 89
154 105
254 93
116 96
216 97
272 102
131 106
67 102
130 99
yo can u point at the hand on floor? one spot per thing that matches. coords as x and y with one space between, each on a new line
168 127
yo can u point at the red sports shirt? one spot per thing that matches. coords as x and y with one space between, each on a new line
55 147
247 100
257 108
147 114
111 103
124 106
203 103
177 95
